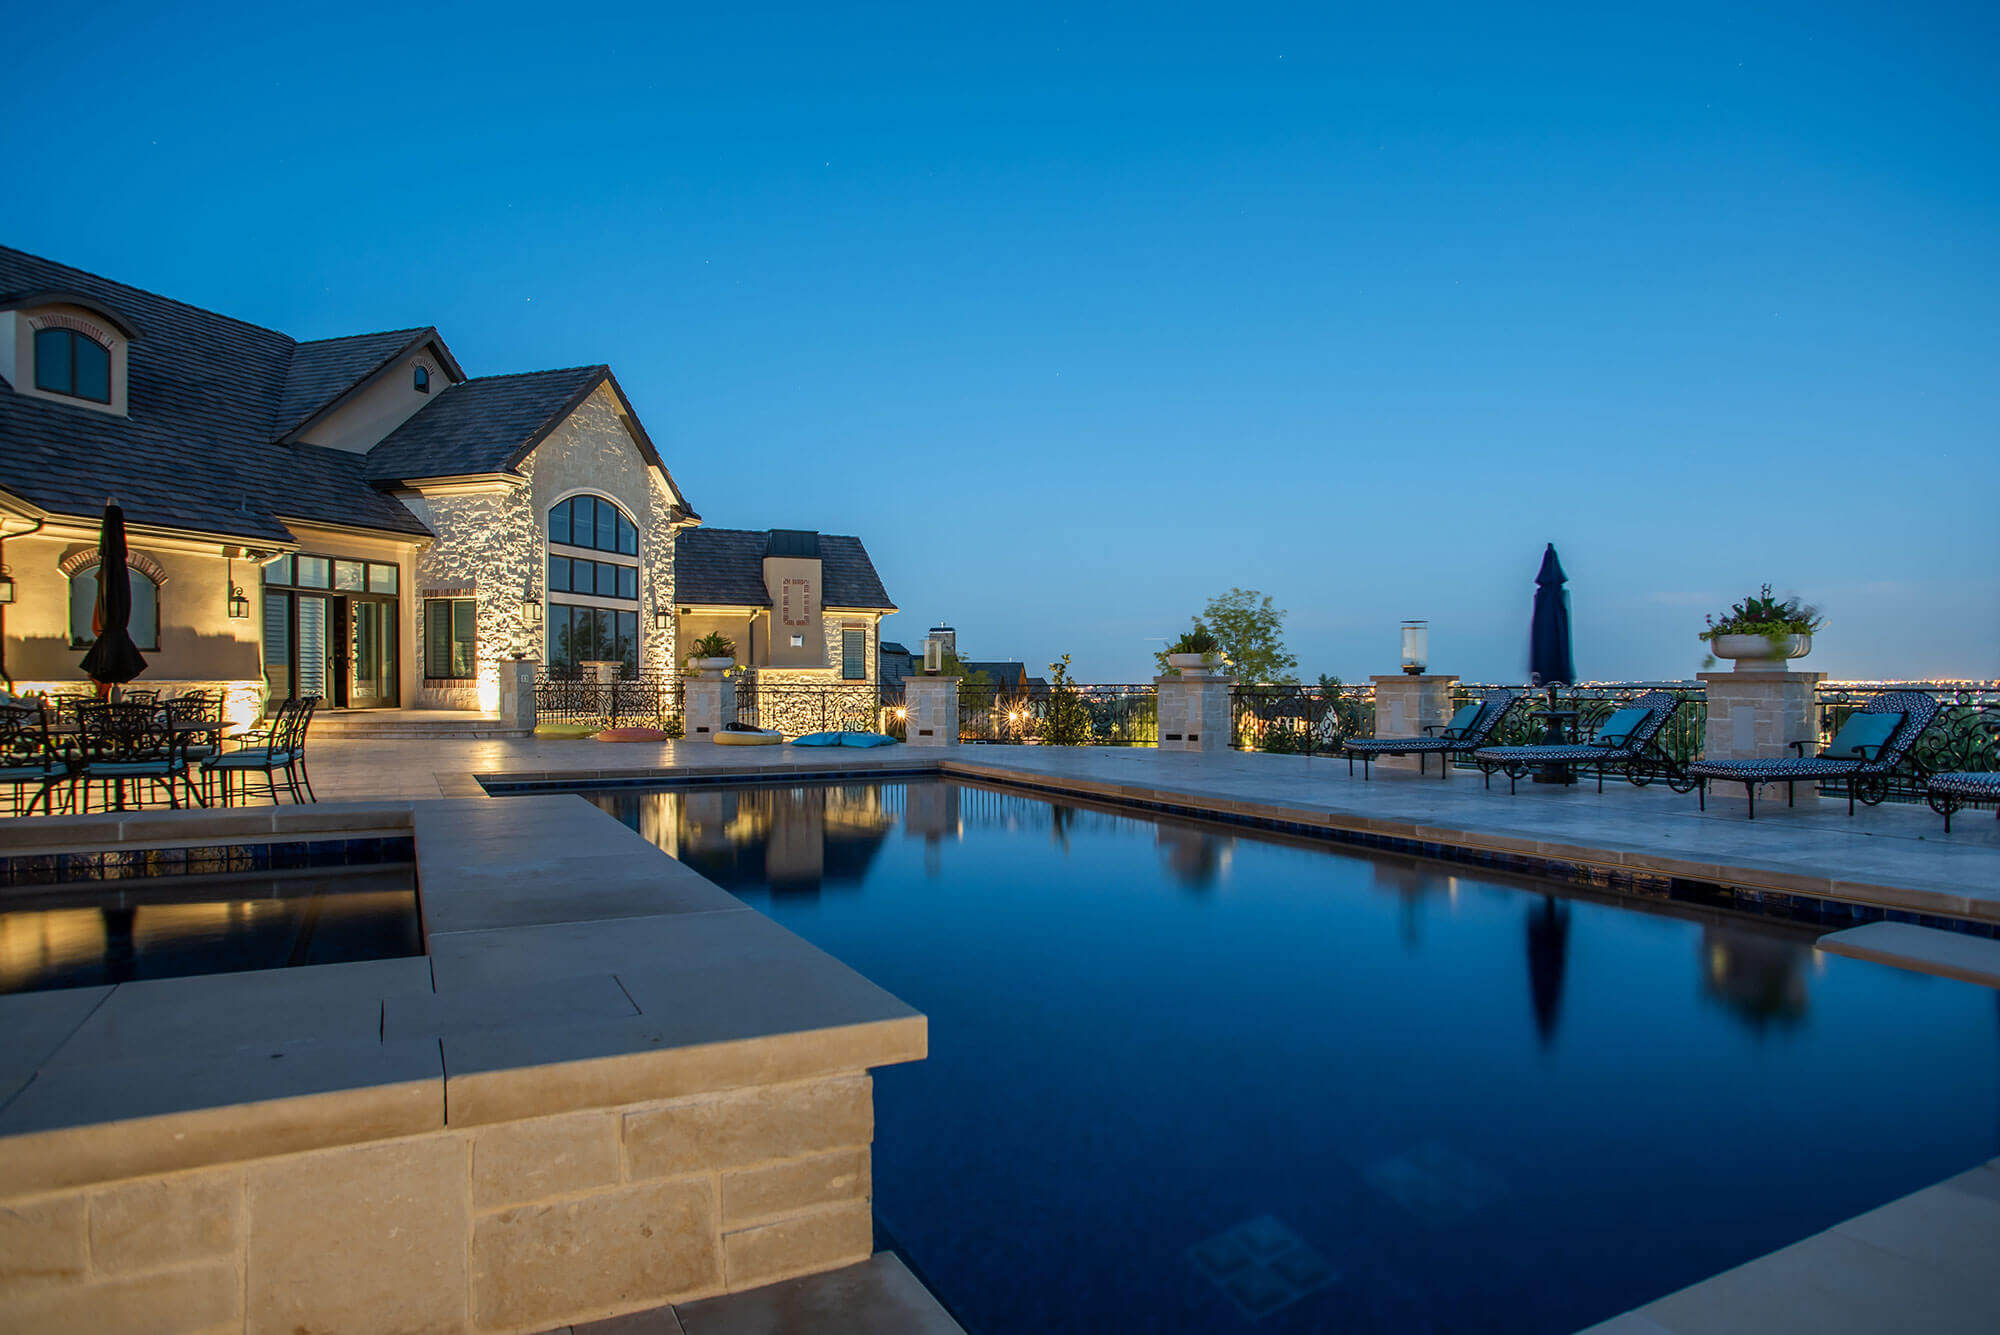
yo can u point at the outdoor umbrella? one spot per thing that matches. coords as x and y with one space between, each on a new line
1549 658
113 659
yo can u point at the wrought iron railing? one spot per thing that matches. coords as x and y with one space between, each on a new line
798 710
654 701
1964 736
1299 720
1043 715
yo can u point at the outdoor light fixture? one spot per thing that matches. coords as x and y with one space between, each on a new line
660 618
531 611
6 587
1416 647
239 602
933 657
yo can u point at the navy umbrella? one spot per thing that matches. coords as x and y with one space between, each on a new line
113 659
1549 658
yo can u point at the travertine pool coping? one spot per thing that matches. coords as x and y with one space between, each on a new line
571 964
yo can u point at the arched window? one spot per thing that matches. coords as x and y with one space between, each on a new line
72 363
423 380
593 585
145 624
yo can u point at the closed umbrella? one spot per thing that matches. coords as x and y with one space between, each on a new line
113 659
1550 661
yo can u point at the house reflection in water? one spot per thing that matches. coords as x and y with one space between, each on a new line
1195 858
1760 978
793 841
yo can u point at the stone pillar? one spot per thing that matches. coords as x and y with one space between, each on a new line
517 692
1193 711
1753 713
930 711
711 704
1404 706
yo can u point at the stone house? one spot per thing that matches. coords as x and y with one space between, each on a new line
357 518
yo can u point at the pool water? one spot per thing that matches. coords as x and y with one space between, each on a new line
174 926
1184 1077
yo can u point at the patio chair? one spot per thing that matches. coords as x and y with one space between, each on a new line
1948 792
28 755
192 711
1468 729
282 746
126 743
1627 741
1870 744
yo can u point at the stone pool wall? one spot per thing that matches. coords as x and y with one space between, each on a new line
515 1226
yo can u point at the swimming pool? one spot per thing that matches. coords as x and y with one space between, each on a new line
1185 1076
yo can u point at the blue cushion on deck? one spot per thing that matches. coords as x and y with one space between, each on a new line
251 759
1871 731
866 740
1462 721
1618 729
817 739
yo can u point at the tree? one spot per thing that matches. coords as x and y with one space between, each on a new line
1252 632
1066 720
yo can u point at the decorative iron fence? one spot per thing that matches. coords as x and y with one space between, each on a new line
1964 736
1069 715
797 710
654 702
1299 720
1592 703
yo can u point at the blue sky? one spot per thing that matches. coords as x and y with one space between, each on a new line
1078 317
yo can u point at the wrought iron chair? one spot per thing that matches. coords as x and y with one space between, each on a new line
1442 740
1638 755
1946 793
1865 770
281 747
197 717
28 755
127 743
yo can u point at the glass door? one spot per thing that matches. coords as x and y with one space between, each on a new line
371 654
310 649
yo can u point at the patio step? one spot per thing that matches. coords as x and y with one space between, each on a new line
344 724
1970 959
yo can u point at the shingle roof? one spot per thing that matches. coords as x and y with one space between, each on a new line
725 567
324 369
481 426
195 450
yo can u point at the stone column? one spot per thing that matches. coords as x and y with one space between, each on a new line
517 692
1193 711
1753 713
930 708
711 703
1404 706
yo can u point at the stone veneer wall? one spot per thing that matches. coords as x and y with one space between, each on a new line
492 546
516 1226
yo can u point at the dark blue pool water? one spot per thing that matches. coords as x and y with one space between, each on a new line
1183 1078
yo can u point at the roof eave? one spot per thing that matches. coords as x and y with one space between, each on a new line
429 336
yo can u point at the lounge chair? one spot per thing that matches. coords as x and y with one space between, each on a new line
1871 743
1948 792
1469 728
1625 741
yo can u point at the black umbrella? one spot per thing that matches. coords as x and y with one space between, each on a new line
1548 950
1549 657
113 659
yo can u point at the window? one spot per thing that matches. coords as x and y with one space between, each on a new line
145 622
592 521
579 635
381 578
314 571
450 634
67 362
423 380
853 655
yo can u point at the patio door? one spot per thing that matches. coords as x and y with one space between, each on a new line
371 653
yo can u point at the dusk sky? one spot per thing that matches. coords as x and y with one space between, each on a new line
1078 317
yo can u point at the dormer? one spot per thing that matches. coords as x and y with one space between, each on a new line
351 393
67 348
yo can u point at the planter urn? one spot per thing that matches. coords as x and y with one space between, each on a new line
1755 652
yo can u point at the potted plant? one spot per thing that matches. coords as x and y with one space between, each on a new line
714 652
1761 631
1195 652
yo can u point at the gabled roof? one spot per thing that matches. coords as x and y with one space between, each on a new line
327 371
195 451
482 426
724 567
893 649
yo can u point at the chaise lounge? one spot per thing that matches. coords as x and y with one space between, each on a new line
1625 741
1946 793
1469 728
1871 743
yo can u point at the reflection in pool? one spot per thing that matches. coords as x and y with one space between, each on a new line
1188 1077
173 926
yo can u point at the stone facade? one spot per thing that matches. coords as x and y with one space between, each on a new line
1755 714
1193 712
1405 705
515 1226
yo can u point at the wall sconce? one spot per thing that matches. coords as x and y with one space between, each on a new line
239 602
1416 647
659 618
6 587
531 612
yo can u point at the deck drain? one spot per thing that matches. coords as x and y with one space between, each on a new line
1262 1266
